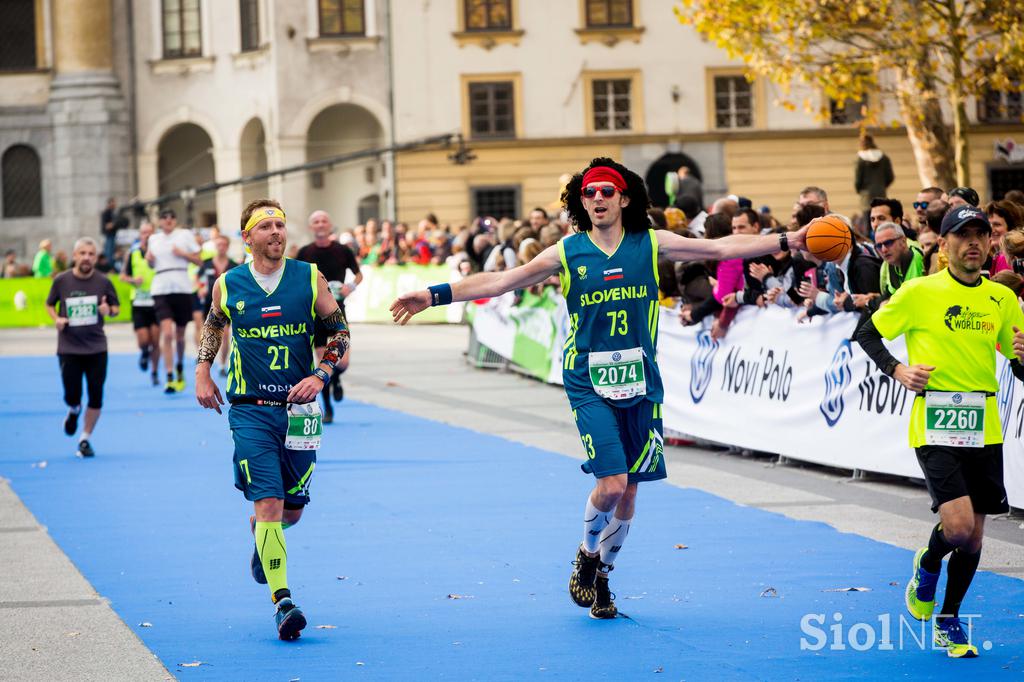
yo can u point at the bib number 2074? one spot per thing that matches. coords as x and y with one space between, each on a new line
616 375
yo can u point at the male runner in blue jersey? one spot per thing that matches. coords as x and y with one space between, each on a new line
609 276
272 386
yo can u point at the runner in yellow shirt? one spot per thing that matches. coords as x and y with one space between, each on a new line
953 323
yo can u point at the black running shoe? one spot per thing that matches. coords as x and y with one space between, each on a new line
71 423
337 390
255 565
581 582
155 379
143 362
85 450
290 620
604 600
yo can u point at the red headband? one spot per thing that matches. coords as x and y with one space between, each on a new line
604 174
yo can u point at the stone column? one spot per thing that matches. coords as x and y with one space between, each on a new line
90 118
227 164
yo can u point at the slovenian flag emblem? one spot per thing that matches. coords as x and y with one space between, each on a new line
615 273
271 311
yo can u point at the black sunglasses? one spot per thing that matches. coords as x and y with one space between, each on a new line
923 205
887 243
606 192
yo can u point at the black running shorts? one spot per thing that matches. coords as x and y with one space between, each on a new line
965 472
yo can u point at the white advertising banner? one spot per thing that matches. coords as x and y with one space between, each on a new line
805 391
801 390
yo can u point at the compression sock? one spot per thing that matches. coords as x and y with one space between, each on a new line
612 539
962 567
273 555
594 521
938 548
85 436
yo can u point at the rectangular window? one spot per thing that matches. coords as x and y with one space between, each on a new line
488 15
612 106
1001 106
852 111
249 16
499 202
492 110
342 18
18 35
182 32
734 102
609 13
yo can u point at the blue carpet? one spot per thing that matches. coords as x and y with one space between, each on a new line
407 512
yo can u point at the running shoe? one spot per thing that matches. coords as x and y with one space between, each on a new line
581 582
604 600
143 362
255 565
179 385
290 620
85 450
950 635
337 390
920 595
171 387
71 423
155 379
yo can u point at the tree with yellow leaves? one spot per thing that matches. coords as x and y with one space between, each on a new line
930 55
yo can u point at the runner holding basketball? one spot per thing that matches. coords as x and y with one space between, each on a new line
953 321
609 275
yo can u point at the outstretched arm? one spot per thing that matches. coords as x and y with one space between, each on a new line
482 285
677 248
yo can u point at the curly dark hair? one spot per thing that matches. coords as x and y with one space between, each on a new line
634 216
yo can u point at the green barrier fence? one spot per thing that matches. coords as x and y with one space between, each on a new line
33 311
370 302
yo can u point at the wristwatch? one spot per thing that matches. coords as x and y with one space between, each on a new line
321 375
783 242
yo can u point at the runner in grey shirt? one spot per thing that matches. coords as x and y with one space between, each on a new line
79 299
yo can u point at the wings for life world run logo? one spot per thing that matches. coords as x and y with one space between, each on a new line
837 377
701 365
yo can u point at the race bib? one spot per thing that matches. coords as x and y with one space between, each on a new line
305 426
82 310
143 299
954 419
618 374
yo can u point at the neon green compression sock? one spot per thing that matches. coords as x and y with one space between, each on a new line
273 555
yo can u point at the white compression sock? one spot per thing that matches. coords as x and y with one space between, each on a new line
85 436
594 521
612 539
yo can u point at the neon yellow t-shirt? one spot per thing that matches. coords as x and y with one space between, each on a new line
954 328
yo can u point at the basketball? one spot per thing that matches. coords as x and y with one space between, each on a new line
829 238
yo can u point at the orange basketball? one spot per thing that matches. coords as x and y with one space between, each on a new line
829 238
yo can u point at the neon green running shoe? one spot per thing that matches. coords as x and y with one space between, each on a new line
921 589
950 635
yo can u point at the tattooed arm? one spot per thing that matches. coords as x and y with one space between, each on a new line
326 308
339 340
212 335
207 392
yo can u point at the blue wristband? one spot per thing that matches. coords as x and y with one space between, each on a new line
440 294
321 375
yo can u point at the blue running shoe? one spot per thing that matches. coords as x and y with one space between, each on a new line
921 589
950 635
290 620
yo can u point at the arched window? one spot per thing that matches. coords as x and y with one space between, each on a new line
22 182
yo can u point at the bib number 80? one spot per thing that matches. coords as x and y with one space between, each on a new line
309 427
963 420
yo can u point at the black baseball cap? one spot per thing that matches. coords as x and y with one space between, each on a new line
961 217
967 194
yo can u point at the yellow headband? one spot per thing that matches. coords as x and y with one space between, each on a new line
261 214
